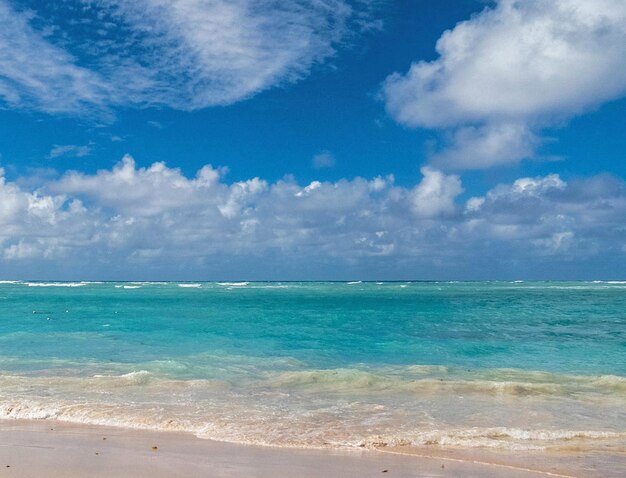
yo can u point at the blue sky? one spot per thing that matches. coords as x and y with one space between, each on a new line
346 139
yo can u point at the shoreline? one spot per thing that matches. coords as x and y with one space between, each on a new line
59 449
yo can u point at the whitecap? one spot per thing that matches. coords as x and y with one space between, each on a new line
271 287
55 284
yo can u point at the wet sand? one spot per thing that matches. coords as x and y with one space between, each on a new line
54 449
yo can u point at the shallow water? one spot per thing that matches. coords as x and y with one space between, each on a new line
536 365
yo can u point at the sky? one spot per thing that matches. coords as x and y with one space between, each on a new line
312 139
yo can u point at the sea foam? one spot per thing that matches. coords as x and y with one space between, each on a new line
56 284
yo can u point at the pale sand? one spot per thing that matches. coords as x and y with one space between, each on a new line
52 449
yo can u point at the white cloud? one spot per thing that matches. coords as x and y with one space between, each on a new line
133 191
435 194
156 221
186 54
35 73
512 69
486 146
69 150
551 217
538 186
323 160
559 241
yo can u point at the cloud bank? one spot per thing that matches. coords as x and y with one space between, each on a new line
83 56
510 71
155 222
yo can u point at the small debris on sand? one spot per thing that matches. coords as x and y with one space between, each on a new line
154 448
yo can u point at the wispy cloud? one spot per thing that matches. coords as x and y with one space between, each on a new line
34 73
510 71
115 219
69 150
323 159
88 55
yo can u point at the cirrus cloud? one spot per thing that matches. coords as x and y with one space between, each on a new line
88 55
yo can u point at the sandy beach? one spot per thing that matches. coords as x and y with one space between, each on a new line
53 449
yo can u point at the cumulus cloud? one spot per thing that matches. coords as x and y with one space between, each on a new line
186 54
435 195
576 220
155 222
511 70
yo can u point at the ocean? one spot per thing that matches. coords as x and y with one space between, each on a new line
498 365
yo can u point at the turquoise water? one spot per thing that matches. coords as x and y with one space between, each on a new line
512 365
